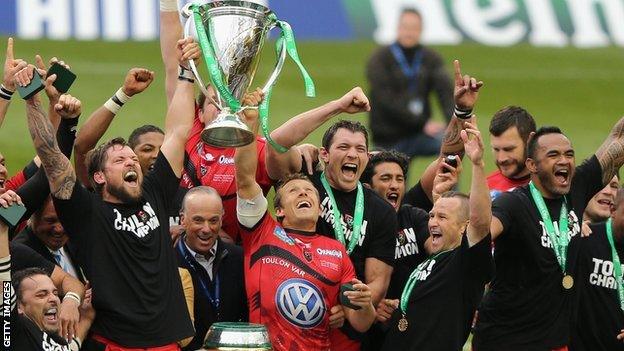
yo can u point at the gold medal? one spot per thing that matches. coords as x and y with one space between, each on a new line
403 324
567 282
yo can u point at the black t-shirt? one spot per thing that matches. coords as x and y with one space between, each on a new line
132 268
527 307
598 315
23 257
416 197
443 301
25 335
379 227
410 247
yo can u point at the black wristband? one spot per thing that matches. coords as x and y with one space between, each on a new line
462 113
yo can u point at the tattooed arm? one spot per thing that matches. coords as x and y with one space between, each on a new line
61 175
611 152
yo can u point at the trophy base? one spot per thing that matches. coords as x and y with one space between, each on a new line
227 130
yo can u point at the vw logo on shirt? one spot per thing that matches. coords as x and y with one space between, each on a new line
300 302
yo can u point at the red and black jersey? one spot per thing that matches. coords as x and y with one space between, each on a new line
214 167
293 279
498 183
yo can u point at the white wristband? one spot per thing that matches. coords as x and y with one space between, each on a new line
168 5
72 295
115 103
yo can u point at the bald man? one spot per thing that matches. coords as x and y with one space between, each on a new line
215 266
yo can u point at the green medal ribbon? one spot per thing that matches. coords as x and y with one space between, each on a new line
617 266
358 215
559 243
287 38
211 62
413 278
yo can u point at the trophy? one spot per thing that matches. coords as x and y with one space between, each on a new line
237 336
231 35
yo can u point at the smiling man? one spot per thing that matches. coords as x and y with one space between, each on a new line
599 207
529 303
293 273
215 266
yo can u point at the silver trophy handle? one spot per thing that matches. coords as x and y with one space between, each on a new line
278 68
186 12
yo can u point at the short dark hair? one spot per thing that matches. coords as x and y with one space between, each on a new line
381 157
352 126
18 277
96 159
532 147
277 200
410 11
513 116
133 139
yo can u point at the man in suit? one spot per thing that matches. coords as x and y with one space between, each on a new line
45 235
216 267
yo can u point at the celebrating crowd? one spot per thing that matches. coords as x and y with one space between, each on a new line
144 244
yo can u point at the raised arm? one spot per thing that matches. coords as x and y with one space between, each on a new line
170 33
136 81
611 152
11 66
299 127
480 202
465 95
61 176
181 111
246 157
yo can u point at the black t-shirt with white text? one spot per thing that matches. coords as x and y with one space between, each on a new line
130 262
527 307
443 301
598 316
25 335
379 228
410 247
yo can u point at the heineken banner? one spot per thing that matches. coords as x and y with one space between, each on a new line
581 23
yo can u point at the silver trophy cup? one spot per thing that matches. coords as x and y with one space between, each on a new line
237 336
235 33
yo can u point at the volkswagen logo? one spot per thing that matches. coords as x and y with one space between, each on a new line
300 302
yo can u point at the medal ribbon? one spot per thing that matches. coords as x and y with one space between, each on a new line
410 70
559 243
413 278
358 215
287 38
617 266
214 301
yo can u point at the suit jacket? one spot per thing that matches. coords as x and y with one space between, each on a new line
27 237
228 266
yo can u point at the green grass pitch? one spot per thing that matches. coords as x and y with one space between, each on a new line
578 90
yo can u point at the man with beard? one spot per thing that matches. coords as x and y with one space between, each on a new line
123 228
294 274
599 207
596 262
510 130
528 305
215 266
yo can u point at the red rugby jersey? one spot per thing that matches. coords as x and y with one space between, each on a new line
214 166
498 183
293 279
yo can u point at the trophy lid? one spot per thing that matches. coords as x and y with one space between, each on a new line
237 336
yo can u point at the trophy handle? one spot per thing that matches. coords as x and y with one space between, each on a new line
278 67
186 12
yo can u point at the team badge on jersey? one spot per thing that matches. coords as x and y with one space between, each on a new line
281 234
300 302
